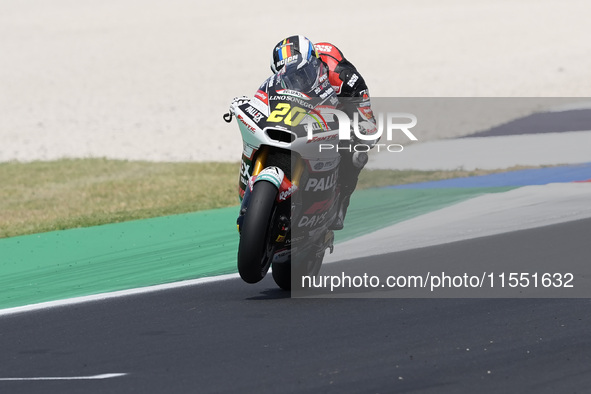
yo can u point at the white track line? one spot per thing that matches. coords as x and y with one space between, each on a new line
95 377
114 294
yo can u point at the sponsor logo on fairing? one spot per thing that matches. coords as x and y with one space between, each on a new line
282 256
244 172
324 138
244 169
284 195
271 174
297 100
311 221
293 93
249 127
256 115
260 106
322 184
325 165
262 96
319 126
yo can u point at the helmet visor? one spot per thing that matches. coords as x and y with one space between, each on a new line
303 78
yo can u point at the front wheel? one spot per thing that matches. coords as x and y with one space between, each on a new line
256 246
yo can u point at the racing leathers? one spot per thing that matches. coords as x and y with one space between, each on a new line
353 95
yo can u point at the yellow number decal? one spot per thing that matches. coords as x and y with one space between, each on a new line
299 115
280 110
293 118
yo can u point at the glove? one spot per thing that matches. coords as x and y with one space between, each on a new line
367 129
237 101
359 159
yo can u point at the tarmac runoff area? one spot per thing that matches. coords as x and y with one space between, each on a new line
489 153
545 196
519 209
556 136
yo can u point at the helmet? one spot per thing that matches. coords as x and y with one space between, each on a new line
295 48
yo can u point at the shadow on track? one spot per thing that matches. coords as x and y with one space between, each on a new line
270 294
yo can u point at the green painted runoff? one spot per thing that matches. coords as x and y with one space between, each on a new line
84 261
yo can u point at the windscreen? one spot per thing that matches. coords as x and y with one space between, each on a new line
303 78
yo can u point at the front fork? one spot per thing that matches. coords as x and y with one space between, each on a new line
286 188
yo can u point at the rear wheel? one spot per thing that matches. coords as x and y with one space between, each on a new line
282 272
282 275
256 246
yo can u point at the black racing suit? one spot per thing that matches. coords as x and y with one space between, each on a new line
353 94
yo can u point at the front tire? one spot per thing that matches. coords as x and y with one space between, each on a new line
256 248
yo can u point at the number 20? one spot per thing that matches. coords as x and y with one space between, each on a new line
282 109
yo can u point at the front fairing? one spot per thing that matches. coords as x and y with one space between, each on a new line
278 116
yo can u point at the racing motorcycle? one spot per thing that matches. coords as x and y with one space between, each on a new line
287 184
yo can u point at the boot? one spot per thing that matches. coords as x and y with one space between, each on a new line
339 222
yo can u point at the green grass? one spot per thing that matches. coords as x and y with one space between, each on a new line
45 196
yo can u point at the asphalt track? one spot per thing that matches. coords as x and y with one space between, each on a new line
232 337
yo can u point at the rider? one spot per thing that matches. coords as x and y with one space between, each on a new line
347 83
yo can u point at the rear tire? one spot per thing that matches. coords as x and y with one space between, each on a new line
256 248
282 275
282 272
